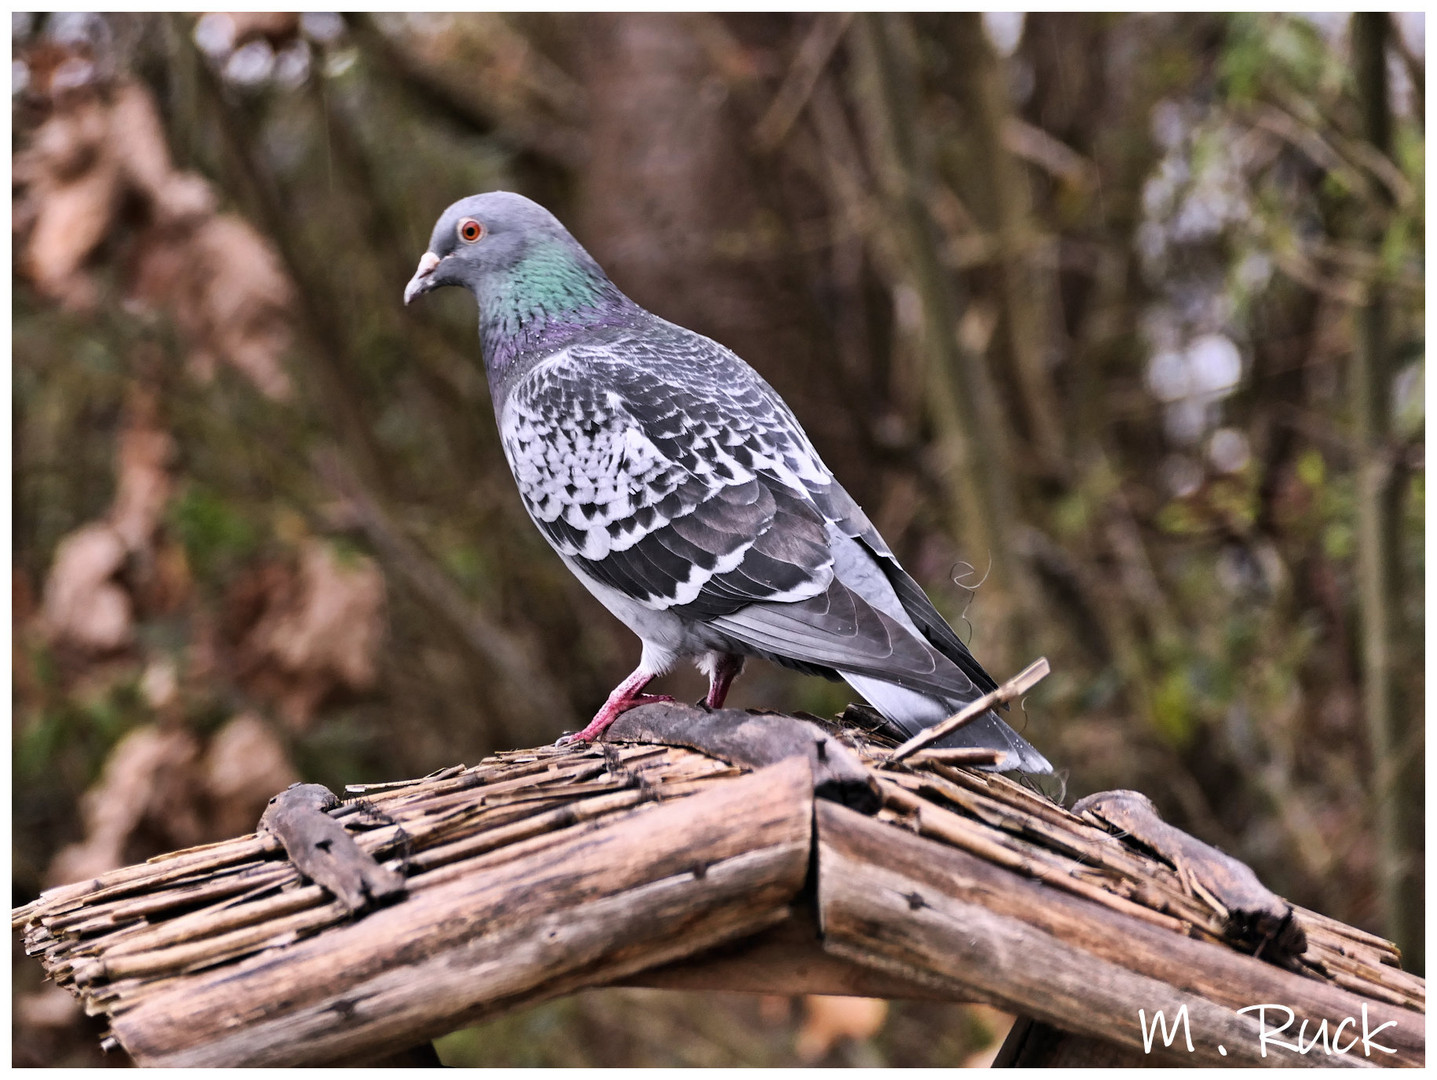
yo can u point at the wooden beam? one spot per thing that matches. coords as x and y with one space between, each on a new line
663 881
975 931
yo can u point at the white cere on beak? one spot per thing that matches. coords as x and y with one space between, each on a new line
419 283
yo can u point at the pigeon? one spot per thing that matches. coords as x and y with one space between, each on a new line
680 489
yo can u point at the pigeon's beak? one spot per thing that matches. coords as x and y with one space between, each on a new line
423 279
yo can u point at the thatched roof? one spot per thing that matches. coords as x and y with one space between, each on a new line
725 850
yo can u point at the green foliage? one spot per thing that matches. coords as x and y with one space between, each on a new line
1337 506
1181 518
1173 706
350 746
1266 51
216 536
1311 468
1072 516
468 563
62 739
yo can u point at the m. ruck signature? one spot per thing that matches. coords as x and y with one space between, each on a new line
1268 1035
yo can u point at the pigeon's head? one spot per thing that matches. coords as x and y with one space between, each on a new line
487 238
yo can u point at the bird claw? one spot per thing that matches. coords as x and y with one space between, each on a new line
611 711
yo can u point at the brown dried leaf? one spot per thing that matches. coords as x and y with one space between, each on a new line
82 605
158 792
73 192
245 765
69 144
226 289
218 278
144 454
168 583
51 65
143 154
318 634
144 803
828 1019
246 302
250 594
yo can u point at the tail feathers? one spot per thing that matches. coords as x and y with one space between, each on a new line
910 712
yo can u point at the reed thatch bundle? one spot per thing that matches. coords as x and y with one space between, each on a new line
729 851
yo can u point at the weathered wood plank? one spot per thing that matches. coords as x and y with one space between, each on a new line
1252 912
324 852
976 931
660 882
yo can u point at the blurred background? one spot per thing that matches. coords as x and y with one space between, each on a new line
1112 323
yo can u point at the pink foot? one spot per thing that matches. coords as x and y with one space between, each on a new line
626 696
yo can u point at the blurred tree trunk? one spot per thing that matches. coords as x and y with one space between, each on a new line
970 432
1071 102
1003 206
1395 742
676 207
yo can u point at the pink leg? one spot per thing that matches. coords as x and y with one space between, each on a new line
625 697
724 673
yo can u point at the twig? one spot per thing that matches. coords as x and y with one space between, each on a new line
1416 69
813 56
958 755
960 395
1038 147
1397 786
1015 687
1005 204
547 141
281 974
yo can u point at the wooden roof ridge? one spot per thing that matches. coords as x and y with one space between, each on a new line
726 850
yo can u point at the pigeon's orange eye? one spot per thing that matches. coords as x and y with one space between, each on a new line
470 230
